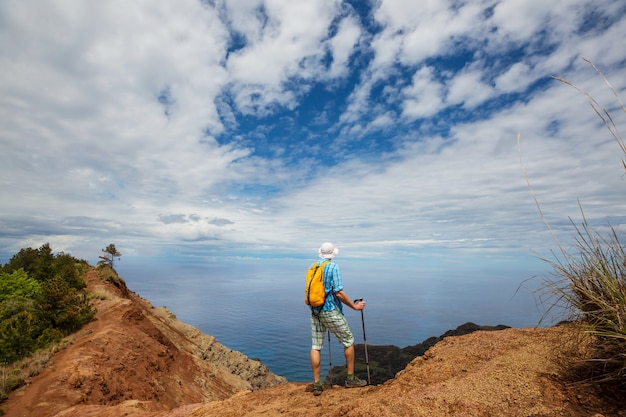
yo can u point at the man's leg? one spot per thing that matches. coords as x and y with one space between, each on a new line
317 342
349 354
316 364
352 380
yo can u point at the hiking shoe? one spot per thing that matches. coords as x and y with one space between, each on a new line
355 383
317 389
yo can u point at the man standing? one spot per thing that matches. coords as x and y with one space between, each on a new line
330 317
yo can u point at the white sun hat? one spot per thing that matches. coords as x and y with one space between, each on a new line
328 250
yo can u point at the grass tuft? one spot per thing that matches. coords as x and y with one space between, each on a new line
589 284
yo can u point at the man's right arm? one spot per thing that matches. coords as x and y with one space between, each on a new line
343 297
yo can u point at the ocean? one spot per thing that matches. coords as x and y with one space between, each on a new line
256 306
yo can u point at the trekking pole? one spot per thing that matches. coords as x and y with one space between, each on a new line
367 362
330 361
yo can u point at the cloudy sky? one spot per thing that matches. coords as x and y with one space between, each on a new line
256 128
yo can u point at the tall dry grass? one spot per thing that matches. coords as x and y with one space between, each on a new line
14 375
589 282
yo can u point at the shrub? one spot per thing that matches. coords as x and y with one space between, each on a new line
66 308
18 335
18 284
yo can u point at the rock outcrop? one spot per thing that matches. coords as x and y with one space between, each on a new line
385 361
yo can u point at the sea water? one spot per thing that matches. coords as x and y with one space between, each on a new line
256 306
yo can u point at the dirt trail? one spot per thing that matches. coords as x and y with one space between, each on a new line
506 373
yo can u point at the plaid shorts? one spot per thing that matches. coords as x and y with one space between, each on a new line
333 321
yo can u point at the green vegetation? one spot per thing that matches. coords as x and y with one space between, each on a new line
42 299
18 285
590 283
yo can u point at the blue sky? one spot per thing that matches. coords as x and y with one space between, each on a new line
247 128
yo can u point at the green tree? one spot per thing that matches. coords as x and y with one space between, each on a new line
18 335
64 307
42 298
70 269
38 263
18 284
20 328
45 263
110 254
25 259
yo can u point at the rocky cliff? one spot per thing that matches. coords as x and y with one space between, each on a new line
133 351
136 360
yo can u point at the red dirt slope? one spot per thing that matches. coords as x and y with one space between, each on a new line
133 351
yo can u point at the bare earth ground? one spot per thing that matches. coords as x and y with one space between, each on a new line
138 361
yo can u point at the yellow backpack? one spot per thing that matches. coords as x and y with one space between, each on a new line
314 291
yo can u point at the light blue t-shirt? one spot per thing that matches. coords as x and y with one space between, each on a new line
332 284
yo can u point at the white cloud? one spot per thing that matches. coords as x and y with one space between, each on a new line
383 120
469 191
424 97
438 28
122 122
342 46
469 88
412 35
287 43
519 20
517 78
81 108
